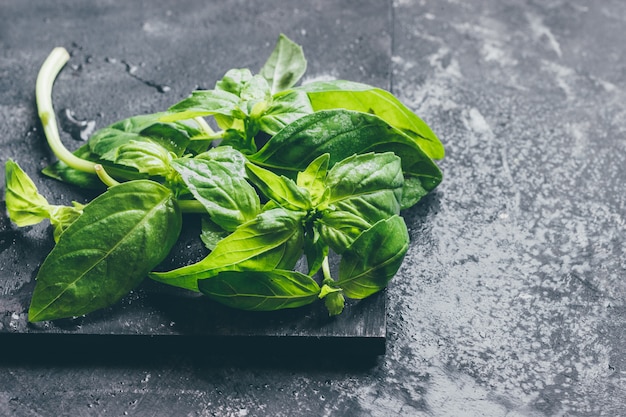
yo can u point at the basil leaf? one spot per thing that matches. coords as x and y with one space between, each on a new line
24 203
261 290
285 108
373 259
107 251
279 189
339 229
145 128
145 156
228 199
228 157
234 80
211 233
272 240
255 90
325 95
342 133
367 185
313 179
285 66
203 103
27 207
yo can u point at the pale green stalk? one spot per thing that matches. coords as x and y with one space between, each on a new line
43 92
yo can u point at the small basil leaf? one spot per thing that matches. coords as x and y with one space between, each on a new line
313 179
173 137
280 189
373 259
285 66
325 95
285 108
273 240
367 185
339 229
24 203
261 290
333 300
203 103
228 199
234 80
255 90
61 217
107 251
228 157
145 156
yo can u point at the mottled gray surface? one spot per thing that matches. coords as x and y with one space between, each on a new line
511 301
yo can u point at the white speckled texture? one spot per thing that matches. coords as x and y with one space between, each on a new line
511 301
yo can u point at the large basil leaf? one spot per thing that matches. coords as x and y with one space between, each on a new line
146 157
342 133
325 95
367 185
280 189
285 66
261 290
272 240
228 199
107 251
373 258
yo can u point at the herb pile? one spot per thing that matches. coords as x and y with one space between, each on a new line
290 172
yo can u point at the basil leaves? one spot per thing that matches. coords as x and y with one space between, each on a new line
291 172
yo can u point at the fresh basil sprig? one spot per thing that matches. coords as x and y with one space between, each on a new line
292 171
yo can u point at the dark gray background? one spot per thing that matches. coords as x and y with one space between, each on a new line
511 298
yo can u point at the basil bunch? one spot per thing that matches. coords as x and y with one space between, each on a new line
291 172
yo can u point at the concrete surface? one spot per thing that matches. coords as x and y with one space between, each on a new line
511 301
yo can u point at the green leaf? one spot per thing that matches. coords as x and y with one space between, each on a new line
342 133
279 189
255 90
234 80
61 217
62 172
373 259
211 233
367 185
339 229
273 240
107 251
24 203
285 108
261 290
333 300
173 137
228 157
285 66
145 156
325 95
313 179
228 199
203 103
27 207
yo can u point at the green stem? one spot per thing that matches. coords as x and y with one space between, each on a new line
191 206
43 93
104 176
326 270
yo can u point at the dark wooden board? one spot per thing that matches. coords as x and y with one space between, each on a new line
109 78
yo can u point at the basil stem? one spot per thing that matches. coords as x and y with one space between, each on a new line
43 93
